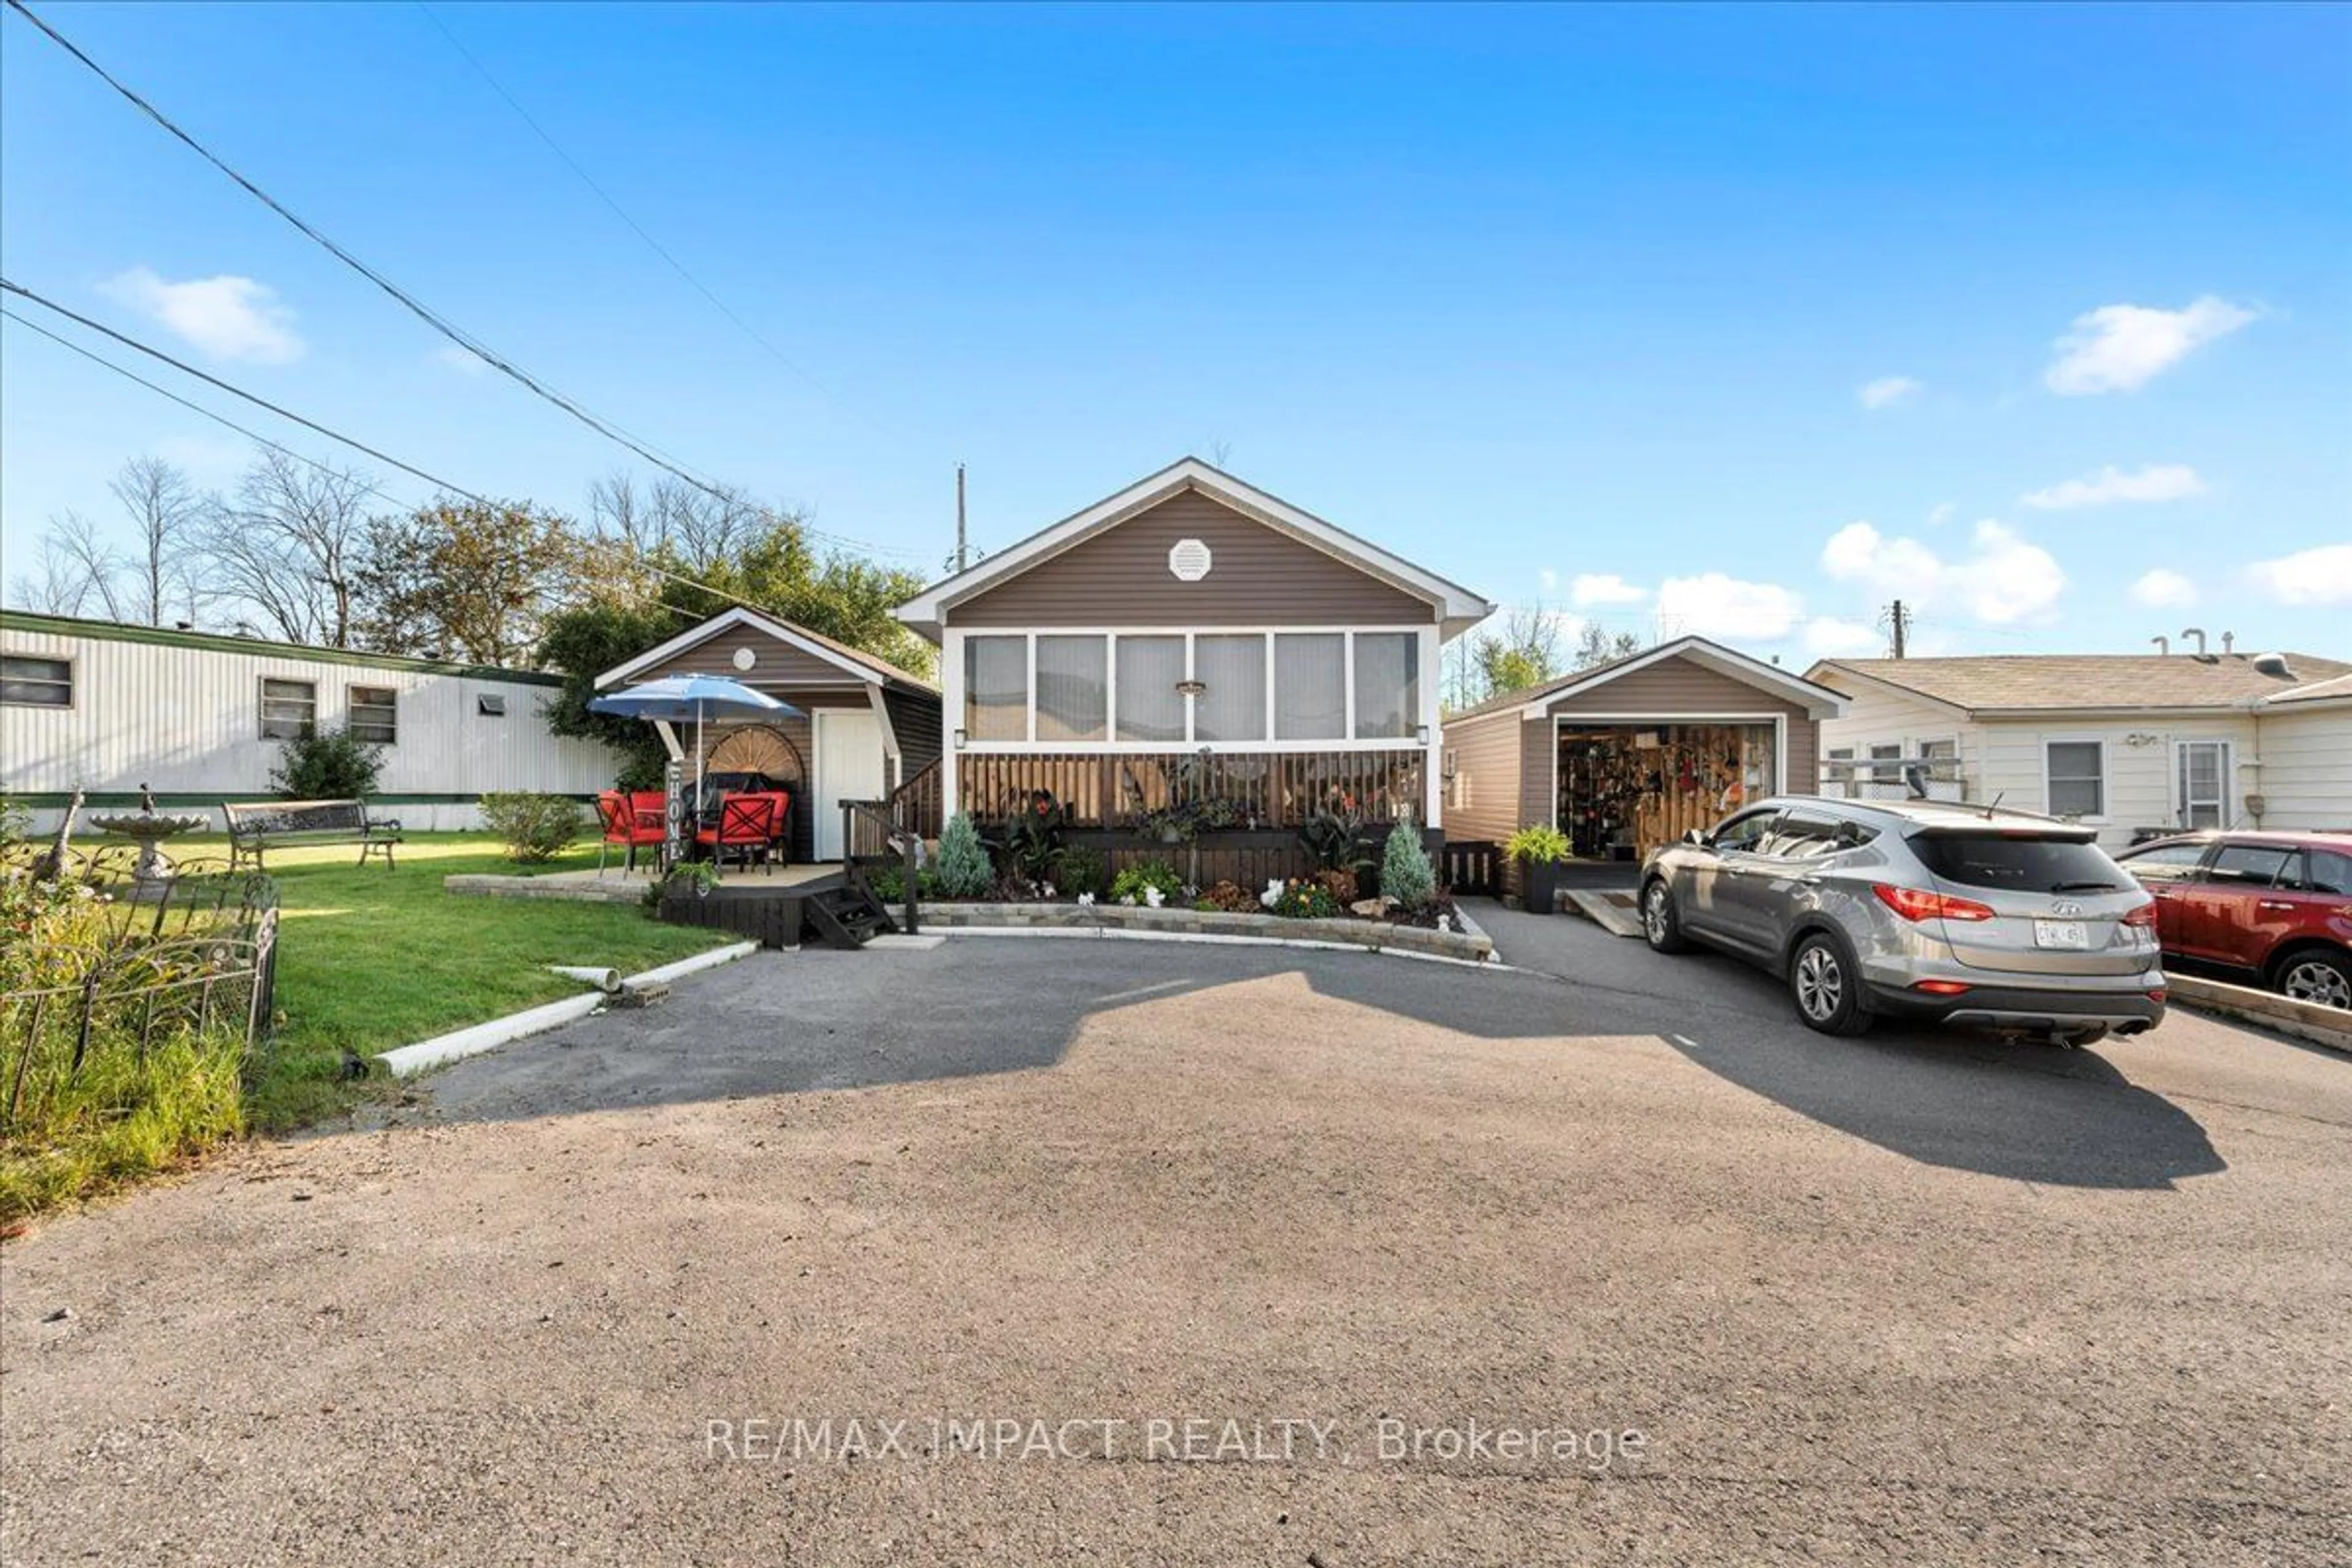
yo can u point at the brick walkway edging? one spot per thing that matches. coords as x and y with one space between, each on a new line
1373 936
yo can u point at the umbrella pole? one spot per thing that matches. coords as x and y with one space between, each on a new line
718 856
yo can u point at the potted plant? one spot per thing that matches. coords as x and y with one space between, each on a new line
1540 850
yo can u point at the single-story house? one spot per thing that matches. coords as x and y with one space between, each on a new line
1192 639
2135 744
106 706
1633 753
866 729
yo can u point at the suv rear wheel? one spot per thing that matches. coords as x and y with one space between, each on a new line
2315 974
1660 921
1827 985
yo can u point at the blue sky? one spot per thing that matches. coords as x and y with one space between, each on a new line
1739 320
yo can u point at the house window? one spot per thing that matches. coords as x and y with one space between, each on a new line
2204 784
1388 685
27 682
1838 783
289 709
996 688
1073 688
375 714
2076 770
1231 669
1310 685
1149 671
490 705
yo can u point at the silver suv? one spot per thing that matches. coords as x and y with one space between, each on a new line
1917 908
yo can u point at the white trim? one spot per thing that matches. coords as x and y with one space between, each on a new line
1896 687
2228 802
1456 605
1779 722
695 635
2042 741
889 731
1818 702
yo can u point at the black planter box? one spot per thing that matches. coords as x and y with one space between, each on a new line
1543 883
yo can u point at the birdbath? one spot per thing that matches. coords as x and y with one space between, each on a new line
152 876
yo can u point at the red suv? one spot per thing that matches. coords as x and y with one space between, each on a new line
2275 907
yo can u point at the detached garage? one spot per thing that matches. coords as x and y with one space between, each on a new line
1635 753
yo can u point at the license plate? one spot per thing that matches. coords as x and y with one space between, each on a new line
2061 933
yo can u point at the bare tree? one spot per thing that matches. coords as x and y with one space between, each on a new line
684 525
290 544
165 511
59 584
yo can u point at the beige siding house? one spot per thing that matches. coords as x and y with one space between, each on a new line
1194 638
1633 753
2134 745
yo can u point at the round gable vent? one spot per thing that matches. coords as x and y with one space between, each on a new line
745 658
1189 560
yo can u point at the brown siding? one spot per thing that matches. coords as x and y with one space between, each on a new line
780 665
1483 801
1670 689
915 720
1258 576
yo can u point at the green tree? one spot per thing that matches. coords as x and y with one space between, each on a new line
463 580
584 641
1596 647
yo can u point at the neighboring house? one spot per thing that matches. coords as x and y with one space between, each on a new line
1630 754
108 707
1193 640
866 729
2130 744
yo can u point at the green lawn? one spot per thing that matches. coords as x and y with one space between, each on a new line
369 959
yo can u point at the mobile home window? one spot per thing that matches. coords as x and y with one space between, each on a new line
289 709
1150 706
490 705
996 688
1231 670
375 714
2077 776
1310 685
27 682
1388 685
1073 688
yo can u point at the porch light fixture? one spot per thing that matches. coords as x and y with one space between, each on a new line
959 740
1192 688
1421 735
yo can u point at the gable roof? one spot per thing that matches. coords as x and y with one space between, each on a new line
2028 683
2335 689
1529 702
852 661
1458 608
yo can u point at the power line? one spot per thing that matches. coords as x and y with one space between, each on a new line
423 311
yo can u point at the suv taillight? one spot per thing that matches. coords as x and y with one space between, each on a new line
1916 904
2143 916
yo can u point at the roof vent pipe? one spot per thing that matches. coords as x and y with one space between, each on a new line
2274 663
2228 638
2163 646
2198 632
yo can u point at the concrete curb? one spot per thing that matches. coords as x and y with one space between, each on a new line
407 1061
2329 1027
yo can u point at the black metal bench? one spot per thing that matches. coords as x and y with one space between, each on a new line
260 825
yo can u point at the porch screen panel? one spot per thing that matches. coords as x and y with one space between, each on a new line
1234 670
1150 706
1073 688
996 688
1388 685
1310 685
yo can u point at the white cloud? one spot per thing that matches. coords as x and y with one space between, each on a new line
2318 576
227 317
1604 588
2156 481
2004 578
2164 590
1548 579
1714 606
1941 513
2118 348
1886 391
464 361
1828 638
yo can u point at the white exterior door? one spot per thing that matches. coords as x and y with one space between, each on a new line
848 766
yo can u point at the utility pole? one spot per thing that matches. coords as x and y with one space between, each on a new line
1899 620
959 540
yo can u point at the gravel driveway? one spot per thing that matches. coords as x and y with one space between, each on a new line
1917 1297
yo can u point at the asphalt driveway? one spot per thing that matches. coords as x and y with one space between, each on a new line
1915 1297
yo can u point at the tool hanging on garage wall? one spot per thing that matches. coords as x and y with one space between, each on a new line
1625 789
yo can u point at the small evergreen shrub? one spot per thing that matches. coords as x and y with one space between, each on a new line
1079 871
535 827
963 868
327 764
1406 874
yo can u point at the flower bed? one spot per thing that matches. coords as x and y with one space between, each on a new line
1470 946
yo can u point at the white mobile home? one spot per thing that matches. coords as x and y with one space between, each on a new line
106 707
2134 745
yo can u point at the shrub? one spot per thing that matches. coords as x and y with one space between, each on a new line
1341 885
1306 901
1129 887
1231 897
1332 835
963 870
1537 844
327 764
535 827
1079 871
889 883
1406 874
1032 844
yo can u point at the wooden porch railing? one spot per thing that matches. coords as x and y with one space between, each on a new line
871 837
915 804
1269 789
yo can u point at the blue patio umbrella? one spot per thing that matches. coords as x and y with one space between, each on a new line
681 698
